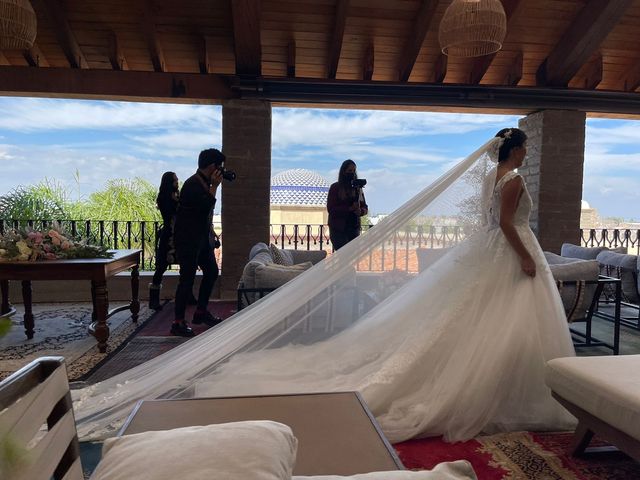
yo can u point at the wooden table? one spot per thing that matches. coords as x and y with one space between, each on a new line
97 270
336 432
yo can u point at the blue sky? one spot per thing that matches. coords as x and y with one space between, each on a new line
398 152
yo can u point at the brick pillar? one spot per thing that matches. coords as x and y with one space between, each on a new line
553 171
246 142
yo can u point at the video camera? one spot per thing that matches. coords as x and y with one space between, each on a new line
228 175
358 182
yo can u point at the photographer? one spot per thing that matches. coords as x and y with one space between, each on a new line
346 204
194 240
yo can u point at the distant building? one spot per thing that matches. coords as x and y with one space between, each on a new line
299 196
589 217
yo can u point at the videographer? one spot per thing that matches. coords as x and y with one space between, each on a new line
194 239
346 204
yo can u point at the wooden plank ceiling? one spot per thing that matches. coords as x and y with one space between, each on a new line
579 44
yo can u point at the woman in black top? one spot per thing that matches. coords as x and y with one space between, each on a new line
345 205
167 203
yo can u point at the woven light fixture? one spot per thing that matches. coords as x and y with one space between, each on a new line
18 25
472 28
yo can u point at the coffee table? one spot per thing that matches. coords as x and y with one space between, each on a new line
337 434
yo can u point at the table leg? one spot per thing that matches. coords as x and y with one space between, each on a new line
4 287
28 314
99 328
93 302
135 288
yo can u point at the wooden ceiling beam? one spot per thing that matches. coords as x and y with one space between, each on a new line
514 72
335 46
151 35
54 11
414 43
593 73
580 41
440 68
480 65
369 63
246 35
116 57
350 94
291 59
114 85
204 54
631 78
35 57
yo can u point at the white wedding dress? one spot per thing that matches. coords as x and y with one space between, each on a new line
458 351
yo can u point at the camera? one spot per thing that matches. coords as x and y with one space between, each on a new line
228 175
358 182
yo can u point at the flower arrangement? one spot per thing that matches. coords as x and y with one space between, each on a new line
53 244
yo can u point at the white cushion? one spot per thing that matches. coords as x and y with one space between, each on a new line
607 387
260 450
458 470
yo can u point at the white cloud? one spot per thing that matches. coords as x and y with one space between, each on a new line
35 114
323 127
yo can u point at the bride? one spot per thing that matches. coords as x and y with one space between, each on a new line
457 350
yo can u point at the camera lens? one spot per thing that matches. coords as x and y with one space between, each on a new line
229 175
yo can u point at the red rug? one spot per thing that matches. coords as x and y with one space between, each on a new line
520 455
160 324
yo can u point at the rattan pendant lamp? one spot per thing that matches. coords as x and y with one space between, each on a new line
18 25
472 28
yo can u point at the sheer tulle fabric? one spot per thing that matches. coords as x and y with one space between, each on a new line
454 350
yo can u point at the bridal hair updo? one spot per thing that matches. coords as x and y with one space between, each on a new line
513 138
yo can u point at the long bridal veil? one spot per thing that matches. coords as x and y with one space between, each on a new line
331 328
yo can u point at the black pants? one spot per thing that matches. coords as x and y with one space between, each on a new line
190 257
162 254
339 238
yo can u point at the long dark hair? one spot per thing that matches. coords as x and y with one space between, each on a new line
513 138
344 182
167 188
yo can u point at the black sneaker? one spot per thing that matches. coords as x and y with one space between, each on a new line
205 318
181 330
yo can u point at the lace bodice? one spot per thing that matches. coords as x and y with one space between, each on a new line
524 205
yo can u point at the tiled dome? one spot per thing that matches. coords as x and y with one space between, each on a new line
299 187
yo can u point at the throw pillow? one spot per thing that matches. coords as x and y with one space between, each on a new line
260 450
281 257
458 470
273 276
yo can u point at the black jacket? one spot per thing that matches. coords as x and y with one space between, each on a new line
195 211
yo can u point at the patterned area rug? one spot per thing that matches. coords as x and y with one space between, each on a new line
61 329
521 455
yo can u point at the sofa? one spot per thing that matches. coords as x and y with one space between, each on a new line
603 393
616 263
270 267
580 286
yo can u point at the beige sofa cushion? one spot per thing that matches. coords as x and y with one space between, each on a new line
607 387
260 450
273 276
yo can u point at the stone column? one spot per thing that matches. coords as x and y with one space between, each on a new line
553 171
246 142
